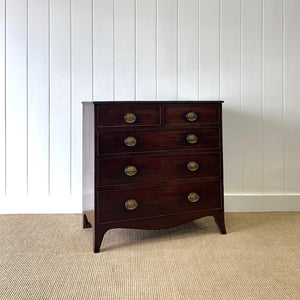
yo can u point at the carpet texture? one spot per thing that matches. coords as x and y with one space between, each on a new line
50 257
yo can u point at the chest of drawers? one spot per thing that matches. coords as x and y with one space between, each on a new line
151 165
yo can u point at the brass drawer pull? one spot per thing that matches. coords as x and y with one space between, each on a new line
193 197
192 166
130 141
131 204
130 170
191 116
192 139
130 118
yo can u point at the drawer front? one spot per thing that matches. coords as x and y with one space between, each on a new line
156 140
133 170
160 200
127 116
192 114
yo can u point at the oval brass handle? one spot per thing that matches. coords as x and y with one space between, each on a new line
130 118
130 170
192 166
191 116
131 204
192 139
130 141
193 197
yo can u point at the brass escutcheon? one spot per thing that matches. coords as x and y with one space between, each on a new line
193 197
130 170
130 141
130 118
191 116
192 139
131 204
192 166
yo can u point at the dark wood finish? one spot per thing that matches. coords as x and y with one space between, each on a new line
157 140
158 200
219 219
114 116
159 192
86 223
158 222
208 113
157 168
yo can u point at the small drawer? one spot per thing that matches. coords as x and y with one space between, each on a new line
127 116
138 203
132 170
158 140
192 114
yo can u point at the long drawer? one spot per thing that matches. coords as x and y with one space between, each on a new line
132 141
132 170
137 203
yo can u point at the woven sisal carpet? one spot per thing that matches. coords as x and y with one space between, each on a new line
50 257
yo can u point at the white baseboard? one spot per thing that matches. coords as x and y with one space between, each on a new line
70 205
261 203
40 205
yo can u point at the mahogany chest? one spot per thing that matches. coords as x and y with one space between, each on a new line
151 165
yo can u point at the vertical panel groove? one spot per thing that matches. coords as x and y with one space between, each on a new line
219 50
71 98
177 52
262 92
114 54
198 44
241 96
199 48
92 26
49 96
156 54
283 95
135 45
5 123
5 128
27 74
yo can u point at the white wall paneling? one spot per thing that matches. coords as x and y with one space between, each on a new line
167 42
16 97
146 42
38 97
2 99
273 170
60 97
125 48
251 96
188 49
81 82
230 92
54 54
103 50
291 95
209 19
